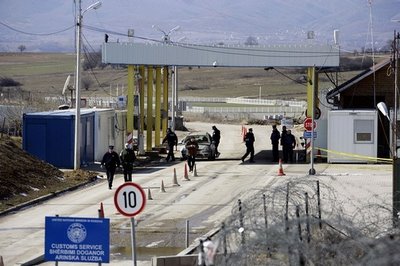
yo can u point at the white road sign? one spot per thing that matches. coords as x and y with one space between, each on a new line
129 199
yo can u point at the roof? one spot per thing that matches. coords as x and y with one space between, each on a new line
344 86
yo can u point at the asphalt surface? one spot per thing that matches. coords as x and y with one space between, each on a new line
205 200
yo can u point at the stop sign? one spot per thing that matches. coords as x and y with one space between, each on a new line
309 125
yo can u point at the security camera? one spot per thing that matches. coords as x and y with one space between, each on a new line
215 64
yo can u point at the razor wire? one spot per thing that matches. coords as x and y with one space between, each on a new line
280 225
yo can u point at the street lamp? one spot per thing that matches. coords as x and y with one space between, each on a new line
80 14
167 40
396 165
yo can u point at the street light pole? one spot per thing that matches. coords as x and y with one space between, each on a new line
396 161
393 125
77 141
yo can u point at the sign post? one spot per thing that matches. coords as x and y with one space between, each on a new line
130 199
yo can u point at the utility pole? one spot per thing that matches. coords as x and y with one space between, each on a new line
396 161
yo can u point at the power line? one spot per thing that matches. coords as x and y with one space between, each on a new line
36 34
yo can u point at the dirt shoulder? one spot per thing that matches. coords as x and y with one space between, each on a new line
24 178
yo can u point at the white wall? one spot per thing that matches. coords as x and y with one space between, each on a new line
104 134
343 145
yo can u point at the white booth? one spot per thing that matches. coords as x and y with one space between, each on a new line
352 136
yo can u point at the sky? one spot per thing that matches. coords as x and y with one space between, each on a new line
48 25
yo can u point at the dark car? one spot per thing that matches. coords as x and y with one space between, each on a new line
206 146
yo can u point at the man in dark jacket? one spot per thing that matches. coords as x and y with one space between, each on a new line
289 144
127 157
172 141
275 136
249 141
283 144
111 162
216 137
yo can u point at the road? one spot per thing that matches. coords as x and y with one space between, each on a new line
205 200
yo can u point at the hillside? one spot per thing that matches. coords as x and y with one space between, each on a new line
24 177
44 74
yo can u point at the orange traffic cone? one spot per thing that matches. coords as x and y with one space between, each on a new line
280 170
101 210
185 174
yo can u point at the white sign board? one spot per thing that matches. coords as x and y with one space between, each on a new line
129 199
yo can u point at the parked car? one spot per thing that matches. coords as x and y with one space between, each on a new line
206 146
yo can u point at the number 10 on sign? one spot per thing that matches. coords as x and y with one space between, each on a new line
129 199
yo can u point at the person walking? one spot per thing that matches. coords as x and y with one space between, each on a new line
216 137
289 144
192 146
111 162
172 140
284 147
275 136
249 141
127 157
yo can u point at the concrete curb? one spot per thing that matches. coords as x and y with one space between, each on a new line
46 197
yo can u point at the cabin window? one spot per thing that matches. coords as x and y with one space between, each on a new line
363 131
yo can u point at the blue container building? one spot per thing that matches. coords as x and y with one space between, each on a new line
50 136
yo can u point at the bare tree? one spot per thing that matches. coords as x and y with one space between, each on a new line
251 41
87 83
22 48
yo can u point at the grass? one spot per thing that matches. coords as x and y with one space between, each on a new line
46 73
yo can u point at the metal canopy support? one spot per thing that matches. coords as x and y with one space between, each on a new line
130 104
164 113
157 122
221 56
149 117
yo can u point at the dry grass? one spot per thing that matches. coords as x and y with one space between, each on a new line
46 74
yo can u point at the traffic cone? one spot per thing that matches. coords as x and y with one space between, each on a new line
195 170
101 210
185 174
149 197
280 171
175 180
162 188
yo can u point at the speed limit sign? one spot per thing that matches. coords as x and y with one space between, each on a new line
129 199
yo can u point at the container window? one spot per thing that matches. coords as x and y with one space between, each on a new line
363 131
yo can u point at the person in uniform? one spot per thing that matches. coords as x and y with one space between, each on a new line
172 140
249 140
216 137
127 157
111 162
275 136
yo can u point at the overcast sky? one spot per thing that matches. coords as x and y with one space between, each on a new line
32 22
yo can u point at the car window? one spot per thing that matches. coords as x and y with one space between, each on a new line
199 139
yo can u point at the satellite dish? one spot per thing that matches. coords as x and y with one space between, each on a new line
66 84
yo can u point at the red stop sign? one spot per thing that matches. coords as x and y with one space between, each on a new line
309 125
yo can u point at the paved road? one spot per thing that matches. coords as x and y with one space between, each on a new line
206 200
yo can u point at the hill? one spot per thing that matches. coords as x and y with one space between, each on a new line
24 178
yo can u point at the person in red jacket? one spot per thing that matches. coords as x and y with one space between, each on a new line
192 146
